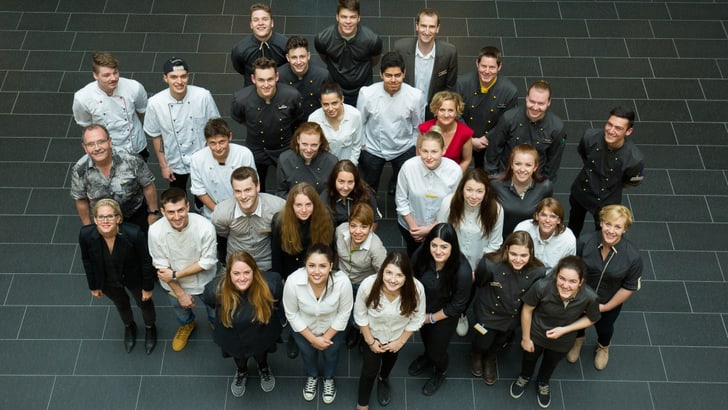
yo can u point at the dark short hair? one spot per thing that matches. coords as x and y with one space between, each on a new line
490 51
392 59
94 127
330 87
572 262
428 12
216 126
264 63
103 59
261 6
541 85
352 5
296 42
173 195
623 112
243 173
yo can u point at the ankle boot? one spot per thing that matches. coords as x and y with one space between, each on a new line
601 357
476 362
150 339
573 355
490 371
130 332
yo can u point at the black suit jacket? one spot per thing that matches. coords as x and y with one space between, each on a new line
444 72
131 257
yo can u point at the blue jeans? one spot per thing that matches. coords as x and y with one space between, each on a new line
184 315
370 166
309 354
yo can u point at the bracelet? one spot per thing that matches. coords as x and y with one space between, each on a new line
174 275
373 340
432 320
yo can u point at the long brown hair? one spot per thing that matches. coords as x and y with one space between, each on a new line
361 190
258 294
488 214
408 292
518 238
321 224
523 149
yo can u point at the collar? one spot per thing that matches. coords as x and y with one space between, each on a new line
239 212
484 89
430 55
366 245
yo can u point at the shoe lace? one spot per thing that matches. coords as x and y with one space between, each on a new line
543 389
185 330
329 387
521 382
311 384
265 375
239 377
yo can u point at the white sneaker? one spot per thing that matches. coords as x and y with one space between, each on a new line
463 324
329 391
309 389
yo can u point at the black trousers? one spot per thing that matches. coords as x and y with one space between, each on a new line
551 358
604 326
260 358
121 300
577 214
373 363
436 339
492 342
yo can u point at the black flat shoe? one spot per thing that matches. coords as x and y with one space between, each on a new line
383 392
150 339
130 333
433 384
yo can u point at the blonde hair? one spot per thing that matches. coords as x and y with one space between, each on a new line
612 212
107 202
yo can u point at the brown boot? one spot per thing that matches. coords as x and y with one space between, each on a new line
573 355
476 362
490 371
601 357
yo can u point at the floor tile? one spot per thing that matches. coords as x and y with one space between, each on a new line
43 21
534 46
706 111
73 392
25 392
623 67
708 297
544 27
694 182
128 6
651 47
650 235
184 392
641 10
698 236
688 29
698 396
33 174
694 364
714 89
192 7
104 358
621 360
97 40
718 206
12 59
699 48
29 229
670 208
55 201
97 22
80 5
165 23
38 357
49 290
616 88
165 42
606 395
659 296
208 24
699 68
680 329
72 322
680 265
672 88
651 110
443 398
692 133
11 318
202 356
619 28
582 10
29 103
32 81
596 48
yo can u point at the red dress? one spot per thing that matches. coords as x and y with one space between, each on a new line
463 133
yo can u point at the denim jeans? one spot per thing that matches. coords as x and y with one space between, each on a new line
370 166
309 354
184 315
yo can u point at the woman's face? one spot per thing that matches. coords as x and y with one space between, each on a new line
345 183
474 193
518 256
302 207
106 220
568 283
431 153
308 145
446 113
318 268
612 230
358 231
241 274
440 250
393 278
523 165
548 221
332 104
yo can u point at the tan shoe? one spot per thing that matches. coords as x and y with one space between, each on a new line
183 335
573 355
601 357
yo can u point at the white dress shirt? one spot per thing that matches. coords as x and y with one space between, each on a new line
117 112
551 250
347 141
424 65
420 190
304 310
385 322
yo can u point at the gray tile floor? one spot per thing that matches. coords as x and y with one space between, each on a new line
60 349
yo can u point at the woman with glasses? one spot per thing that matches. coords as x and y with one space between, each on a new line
115 256
551 238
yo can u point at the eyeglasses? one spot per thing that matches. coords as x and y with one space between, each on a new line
106 217
548 216
95 144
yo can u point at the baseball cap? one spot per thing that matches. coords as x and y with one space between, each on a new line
175 64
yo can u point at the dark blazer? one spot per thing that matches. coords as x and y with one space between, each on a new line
131 257
444 72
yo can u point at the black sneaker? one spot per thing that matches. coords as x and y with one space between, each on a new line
543 394
518 387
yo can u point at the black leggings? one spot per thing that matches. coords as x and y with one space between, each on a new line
369 369
550 359
121 300
604 326
260 358
436 338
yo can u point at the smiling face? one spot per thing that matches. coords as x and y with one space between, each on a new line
488 69
219 146
246 194
440 251
358 231
308 146
427 28
392 77
177 213
318 268
612 231
548 221
345 183
177 82
446 114
431 153
107 78
474 193
615 131
518 256
97 144
348 22
568 283
523 165
302 207
265 82
107 221
393 279
261 24
298 58
537 102
241 275
333 105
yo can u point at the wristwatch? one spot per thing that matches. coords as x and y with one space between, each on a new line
156 212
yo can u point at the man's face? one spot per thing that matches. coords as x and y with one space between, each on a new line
392 78
261 24
97 145
177 213
427 28
219 146
265 82
348 21
107 78
488 69
537 102
246 194
298 58
177 82
615 131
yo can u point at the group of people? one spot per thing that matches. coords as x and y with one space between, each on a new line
473 177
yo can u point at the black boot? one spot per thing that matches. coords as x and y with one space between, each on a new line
150 339
130 332
433 384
